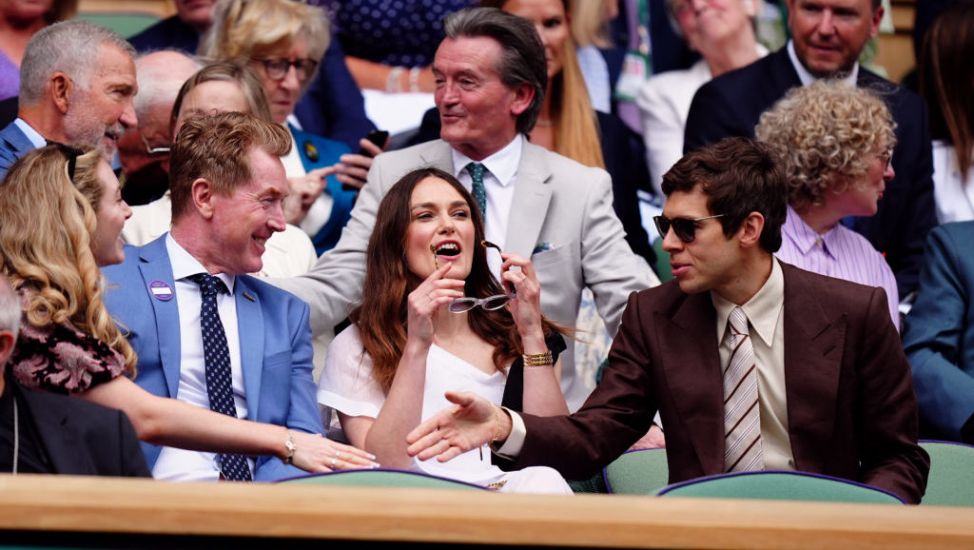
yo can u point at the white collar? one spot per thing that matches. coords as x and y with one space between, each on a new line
807 77
185 265
33 135
502 164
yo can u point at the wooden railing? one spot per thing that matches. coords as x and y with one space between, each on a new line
102 511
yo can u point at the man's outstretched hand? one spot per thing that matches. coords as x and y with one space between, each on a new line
470 423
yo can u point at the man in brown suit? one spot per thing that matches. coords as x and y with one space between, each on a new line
752 364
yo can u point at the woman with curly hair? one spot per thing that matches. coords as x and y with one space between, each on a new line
62 216
835 144
434 319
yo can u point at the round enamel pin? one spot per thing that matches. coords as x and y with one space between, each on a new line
161 290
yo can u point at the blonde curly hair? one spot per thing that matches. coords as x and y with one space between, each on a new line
824 134
45 243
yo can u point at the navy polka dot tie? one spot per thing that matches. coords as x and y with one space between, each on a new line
216 356
476 171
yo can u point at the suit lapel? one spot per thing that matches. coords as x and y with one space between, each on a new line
532 193
813 356
155 266
59 437
17 140
250 326
438 155
691 365
783 73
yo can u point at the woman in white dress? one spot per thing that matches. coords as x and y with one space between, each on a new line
947 84
434 319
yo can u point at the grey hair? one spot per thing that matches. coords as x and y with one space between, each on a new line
9 307
70 47
156 83
523 58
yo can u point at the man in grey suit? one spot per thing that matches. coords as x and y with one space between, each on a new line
491 75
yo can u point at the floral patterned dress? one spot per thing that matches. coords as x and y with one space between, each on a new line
61 359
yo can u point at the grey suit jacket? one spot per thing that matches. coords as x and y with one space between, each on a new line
557 201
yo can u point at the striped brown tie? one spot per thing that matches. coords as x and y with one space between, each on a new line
742 414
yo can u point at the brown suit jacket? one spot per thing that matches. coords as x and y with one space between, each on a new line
852 412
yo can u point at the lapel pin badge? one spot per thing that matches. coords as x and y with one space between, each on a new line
311 151
249 296
161 290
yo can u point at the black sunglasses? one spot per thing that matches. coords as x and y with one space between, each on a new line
71 153
685 229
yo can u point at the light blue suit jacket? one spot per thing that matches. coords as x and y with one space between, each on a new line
938 335
275 345
13 145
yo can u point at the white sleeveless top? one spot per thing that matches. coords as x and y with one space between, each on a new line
347 386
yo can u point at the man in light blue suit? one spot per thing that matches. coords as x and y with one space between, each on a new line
205 332
77 81
939 335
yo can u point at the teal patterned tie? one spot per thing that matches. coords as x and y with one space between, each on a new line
476 171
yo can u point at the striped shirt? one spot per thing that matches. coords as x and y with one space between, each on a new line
840 253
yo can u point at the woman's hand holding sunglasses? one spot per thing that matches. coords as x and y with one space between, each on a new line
525 304
423 302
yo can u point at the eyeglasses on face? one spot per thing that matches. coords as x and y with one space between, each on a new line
153 151
277 69
685 229
886 157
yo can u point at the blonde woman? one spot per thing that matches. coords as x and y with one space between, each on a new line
63 213
282 42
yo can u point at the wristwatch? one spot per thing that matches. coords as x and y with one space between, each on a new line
291 448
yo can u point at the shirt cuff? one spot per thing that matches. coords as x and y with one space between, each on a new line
515 441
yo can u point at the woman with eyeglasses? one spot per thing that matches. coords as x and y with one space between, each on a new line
62 215
434 319
835 144
282 42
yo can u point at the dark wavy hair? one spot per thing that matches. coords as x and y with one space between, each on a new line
381 317
739 176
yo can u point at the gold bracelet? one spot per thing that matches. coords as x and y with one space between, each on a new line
539 359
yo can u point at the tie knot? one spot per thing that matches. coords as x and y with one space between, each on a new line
476 171
209 285
738 321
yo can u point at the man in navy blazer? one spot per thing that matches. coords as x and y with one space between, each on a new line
939 335
77 84
227 186
828 36
57 434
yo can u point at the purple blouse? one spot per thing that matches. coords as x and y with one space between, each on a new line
840 253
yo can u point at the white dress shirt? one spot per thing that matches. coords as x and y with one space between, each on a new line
180 464
807 77
499 182
953 192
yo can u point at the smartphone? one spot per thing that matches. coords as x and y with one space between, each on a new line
378 138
